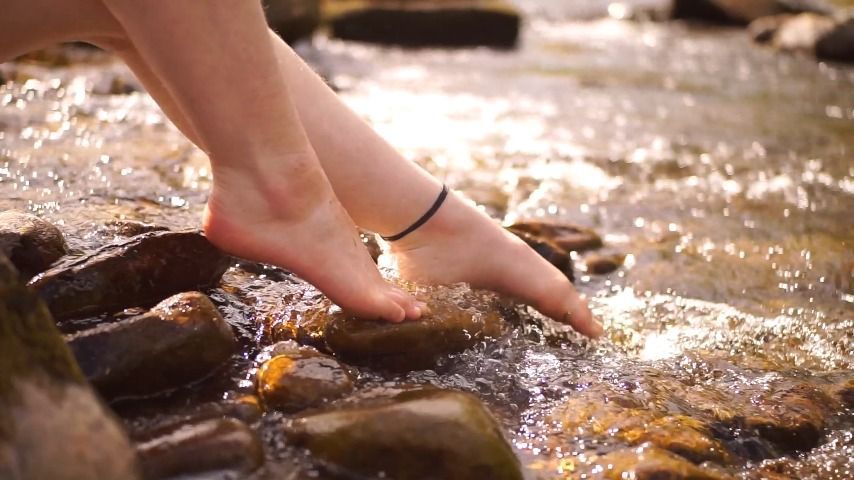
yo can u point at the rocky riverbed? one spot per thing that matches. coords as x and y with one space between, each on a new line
698 188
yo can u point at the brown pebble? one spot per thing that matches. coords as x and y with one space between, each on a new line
32 244
603 264
571 238
213 445
298 381
182 339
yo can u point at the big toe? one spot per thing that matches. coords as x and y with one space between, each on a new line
412 308
377 305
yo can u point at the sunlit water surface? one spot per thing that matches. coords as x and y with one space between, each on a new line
723 170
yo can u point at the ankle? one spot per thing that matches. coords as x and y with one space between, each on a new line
449 220
289 185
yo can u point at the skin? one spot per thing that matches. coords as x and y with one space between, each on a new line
290 190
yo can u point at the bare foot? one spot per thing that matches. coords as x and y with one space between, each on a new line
461 244
289 216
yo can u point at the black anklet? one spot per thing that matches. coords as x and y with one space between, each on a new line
421 221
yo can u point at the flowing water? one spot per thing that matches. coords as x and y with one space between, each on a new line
723 170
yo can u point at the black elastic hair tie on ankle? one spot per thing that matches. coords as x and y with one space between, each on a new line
421 221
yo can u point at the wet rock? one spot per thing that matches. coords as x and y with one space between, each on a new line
742 11
156 422
458 23
614 416
838 43
604 264
550 251
31 243
137 272
648 463
180 340
369 240
293 20
132 228
845 393
51 423
224 445
421 434
571 238
458 319
298 381
791 415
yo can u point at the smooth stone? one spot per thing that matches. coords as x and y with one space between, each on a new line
420 434
32 244
604 264
572 238
649 463
792 415
137 272
52 425
604 414
157 423
298 381
455 23
182 339
549 251
224 446
293 20
132 228
458 319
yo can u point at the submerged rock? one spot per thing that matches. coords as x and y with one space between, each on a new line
180 340
421 434
647 463
844 392
222 445
296 381
791 415
742 11
458 319
550 251
137 272
32 244
455 23
613 416
571 238
51 423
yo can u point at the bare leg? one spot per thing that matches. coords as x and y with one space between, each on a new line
446 250
385 193
271 200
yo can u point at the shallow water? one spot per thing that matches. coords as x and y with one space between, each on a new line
722 169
